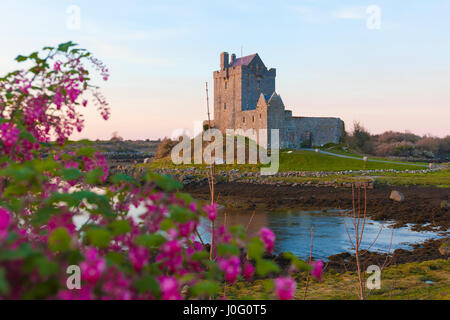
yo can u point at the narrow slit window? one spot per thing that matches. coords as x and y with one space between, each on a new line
224 106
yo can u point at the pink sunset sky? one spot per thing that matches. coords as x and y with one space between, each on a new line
328 61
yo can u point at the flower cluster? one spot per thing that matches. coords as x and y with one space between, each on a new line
53 215
268 238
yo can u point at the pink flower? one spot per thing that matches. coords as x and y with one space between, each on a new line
57 66
9 134
317 269
171 255
193 207
268 238
82 294
5 220
211 210
138 257
285 288
231 267
185 229
169 288
93 267
62 220
249 270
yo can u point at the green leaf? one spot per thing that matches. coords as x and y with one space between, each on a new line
165 182
224 249
23 251
205 288
200 255
255 248
150 241
86 151
21 58
64 47
167 224
44 266
186 197
70 174
181 214
4 286
59 240
98 237
119 227
43 214
116 258
120 177
264 267
93 176
148 284
299 264
239 231
42 290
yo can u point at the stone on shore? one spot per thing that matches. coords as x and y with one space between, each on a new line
397 196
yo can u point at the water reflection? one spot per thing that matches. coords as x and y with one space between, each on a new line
293 231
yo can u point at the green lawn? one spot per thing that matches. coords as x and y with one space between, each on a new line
415 281
302 160
313 161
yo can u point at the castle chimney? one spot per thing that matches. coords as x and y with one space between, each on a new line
223 60
233 57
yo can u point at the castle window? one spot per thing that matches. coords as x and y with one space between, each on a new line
224 106
260 116
243 119
226 84
253 118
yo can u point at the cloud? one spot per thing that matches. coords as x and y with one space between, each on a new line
353 13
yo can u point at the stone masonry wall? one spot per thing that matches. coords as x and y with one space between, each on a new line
323 130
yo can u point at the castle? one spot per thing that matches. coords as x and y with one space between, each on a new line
245 98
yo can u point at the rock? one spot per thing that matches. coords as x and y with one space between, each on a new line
428 154
444 249
397 196
444 204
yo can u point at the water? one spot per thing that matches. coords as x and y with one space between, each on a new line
293 232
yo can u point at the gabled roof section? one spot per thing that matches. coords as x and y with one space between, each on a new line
262 101
243 61
275 99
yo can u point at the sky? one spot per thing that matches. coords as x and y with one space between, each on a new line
383 63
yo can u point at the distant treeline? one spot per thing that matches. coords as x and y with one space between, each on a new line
401 144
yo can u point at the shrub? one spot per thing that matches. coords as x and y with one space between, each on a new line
164 148
360 138
119 256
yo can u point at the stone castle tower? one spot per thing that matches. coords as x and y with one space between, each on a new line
245 98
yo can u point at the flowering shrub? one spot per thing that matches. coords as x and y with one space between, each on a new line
47 188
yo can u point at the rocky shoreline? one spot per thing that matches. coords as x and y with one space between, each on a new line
193 176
